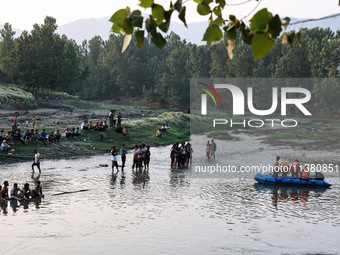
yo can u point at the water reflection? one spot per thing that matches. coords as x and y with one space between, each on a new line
140 177
178 177
15 205
283 194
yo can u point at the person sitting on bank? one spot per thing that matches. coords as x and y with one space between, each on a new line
84 125
159 133
77 131
105 125
68 133
100 127
126 131
96 126
74 133
9 139
119 129
17 136
163 129
91 126
51 138
57 135
26 135
43 135
5 146
37 137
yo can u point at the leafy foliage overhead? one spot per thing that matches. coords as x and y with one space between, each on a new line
263 29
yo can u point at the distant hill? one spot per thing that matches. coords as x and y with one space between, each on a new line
82 29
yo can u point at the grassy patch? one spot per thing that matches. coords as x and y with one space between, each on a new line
90 142
289 135
12 95
88 105
220 135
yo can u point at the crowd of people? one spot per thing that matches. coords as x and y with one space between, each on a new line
24 193
141 158
181 155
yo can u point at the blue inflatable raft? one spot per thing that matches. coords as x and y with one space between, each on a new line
269 179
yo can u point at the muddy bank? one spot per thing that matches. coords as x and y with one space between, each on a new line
63 113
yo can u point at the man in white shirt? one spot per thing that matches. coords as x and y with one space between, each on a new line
36 161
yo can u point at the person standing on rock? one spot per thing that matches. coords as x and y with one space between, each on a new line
36 161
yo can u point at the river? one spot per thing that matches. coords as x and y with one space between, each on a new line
169 211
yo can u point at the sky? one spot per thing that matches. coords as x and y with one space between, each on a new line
22 14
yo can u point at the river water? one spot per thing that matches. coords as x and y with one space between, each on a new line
169 211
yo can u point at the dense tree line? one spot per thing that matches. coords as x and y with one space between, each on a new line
42 60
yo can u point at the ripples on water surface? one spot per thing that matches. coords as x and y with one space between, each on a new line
164 212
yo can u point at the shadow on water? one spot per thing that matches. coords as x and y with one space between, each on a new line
140 178
283 194
179 177
15 205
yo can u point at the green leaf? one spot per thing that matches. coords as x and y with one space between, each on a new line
221 3
119 17
128 27
181 16
213 33
203 9
165 25
150 24
260 20
275 26
291 37
158 40
139 36
198 1
116 29
137 18
231 34
158 13
126 42
218 21
217 11
146 3
178 5
207 2
247 36
261 45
